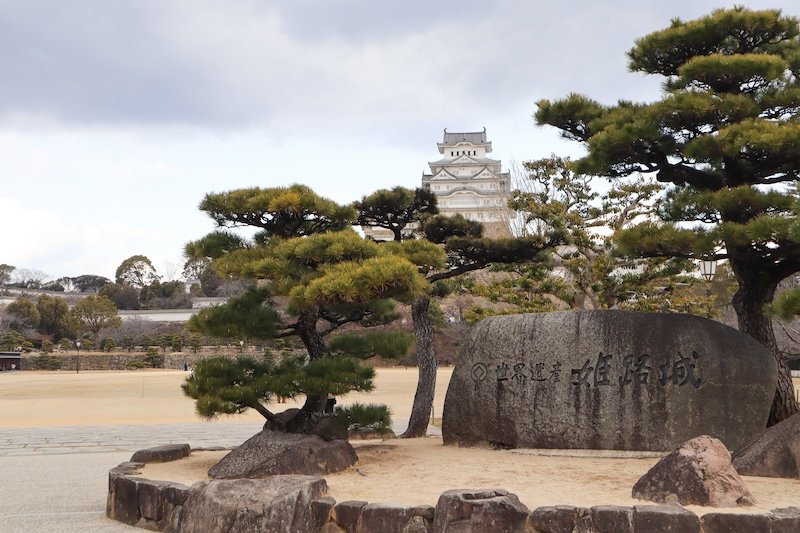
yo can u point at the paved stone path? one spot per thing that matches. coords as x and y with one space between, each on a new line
56 478
100 439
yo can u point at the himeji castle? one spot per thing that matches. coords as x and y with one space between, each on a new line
467 182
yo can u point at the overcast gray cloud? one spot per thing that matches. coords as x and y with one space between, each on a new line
291 64
116 116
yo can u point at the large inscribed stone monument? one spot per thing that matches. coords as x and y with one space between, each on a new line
607 380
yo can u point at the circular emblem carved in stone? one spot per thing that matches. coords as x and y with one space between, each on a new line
479 372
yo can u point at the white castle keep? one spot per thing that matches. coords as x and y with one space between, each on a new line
467 182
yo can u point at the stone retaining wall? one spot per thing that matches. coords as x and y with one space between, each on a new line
115 361
160 505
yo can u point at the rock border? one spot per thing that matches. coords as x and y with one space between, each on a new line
157 505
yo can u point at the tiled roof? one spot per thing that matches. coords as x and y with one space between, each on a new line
474 137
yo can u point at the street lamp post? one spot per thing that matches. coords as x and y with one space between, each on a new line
708 268
241 346
78 357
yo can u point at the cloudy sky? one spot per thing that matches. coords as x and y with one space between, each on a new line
117 117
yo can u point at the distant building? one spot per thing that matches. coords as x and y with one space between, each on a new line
467 182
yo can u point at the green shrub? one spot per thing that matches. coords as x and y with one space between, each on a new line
196 343
356 416
48 362
108 344
128 343
66 345
11 340
153 359
135 364
178 342
47 346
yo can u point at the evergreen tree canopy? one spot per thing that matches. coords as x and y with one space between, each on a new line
396 208
212 246
24 313
94 313
54 318
725 137
136 271
439 228
248 316
331 277
282 212
225 386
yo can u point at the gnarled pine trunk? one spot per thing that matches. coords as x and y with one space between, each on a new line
749 302
426 365
315 345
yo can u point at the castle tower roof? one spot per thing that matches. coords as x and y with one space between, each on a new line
475 138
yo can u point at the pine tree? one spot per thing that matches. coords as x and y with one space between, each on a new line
331 277
725 137
395 209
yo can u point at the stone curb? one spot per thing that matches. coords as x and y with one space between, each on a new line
156 505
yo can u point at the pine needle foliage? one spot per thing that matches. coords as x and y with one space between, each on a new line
724 137
331 276
247 316
224 386
358 415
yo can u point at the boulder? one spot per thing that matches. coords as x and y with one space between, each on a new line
323 425
734 523
327 428
321 511
698 473
479 510
122 501
157 500
162 454
664 519
785 520
346 514
370 434
388 518
612 519
607 380
556 519
141 502
775 453
276 504
273 452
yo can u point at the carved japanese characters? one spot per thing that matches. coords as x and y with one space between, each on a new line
607 380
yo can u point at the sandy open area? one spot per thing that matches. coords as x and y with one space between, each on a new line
37 399
412 471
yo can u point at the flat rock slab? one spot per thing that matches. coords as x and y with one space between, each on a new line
273 452
162 454
277 504
776 453
607 380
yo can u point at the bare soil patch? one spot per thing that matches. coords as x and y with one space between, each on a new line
417 471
